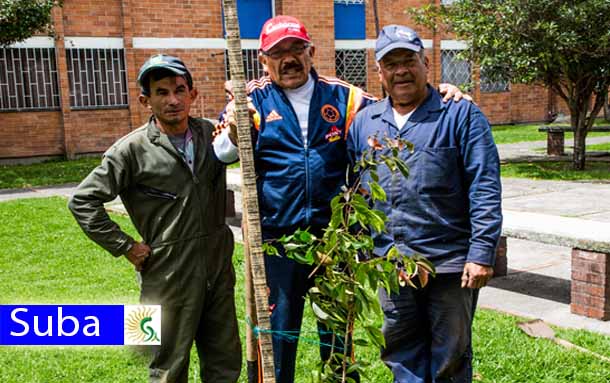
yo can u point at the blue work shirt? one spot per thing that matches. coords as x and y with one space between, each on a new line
449 208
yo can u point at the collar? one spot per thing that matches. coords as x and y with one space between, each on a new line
432 104
154 133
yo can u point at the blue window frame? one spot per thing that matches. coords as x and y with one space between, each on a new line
252 15
350 21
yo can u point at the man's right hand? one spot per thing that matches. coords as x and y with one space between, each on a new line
138 254
230 121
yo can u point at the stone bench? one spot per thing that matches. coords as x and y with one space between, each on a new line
590 243
555 138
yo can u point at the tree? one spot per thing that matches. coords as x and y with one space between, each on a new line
562 44
347 275
20 19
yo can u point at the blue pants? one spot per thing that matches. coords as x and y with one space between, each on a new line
428 331
288 284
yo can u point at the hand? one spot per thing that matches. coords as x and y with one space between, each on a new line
451 91
476 276
230 121
422 274
138 254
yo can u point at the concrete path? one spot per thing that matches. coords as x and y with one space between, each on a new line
538 280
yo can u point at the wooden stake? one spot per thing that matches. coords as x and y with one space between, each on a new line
249 191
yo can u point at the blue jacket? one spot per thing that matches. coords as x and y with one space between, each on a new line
449 208
295 184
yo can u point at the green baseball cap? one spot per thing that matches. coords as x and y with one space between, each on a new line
162 61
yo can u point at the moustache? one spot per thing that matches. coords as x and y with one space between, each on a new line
290 66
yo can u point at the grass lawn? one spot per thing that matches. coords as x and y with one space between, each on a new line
45 258
54 172
605 147
557 170
510 134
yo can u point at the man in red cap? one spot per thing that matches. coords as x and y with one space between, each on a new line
300 121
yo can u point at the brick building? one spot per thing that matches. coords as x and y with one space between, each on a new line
75 93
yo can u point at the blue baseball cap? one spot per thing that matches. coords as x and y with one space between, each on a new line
396 36
162 61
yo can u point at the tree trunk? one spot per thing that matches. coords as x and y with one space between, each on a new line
580 135
607 108
249 192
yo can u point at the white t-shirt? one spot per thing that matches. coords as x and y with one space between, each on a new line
401 119
300 99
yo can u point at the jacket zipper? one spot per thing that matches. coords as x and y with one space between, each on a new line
305 153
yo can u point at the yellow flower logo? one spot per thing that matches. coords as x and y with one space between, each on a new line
139 327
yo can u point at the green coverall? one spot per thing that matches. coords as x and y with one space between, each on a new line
180 215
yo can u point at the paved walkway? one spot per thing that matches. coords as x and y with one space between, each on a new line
538 281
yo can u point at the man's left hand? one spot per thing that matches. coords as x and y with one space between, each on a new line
476 276
450 91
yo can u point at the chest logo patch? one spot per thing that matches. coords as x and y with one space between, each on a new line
333 134
330 113
273 116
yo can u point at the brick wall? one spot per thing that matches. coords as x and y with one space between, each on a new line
96 130
194 18
86 131
590 284
92 18
31 134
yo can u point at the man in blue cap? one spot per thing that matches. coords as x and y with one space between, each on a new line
448 210
174 190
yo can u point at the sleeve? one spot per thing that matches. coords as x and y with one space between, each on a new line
224 149
482 178
102 185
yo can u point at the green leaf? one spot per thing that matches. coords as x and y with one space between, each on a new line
375 335
319 313
269 249
374 176
402 167
377 192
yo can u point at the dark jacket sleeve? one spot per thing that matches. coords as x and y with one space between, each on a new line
102 185
482 179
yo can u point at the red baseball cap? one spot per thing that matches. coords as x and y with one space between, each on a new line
279 28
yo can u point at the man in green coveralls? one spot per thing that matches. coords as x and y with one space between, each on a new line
173 188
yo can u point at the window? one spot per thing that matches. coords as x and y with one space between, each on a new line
351 66
252 15
491 86
454 70
350 20
252 67
28 79
98 78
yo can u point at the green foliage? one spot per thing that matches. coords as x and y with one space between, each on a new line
561 44
20 19
347 274
55 172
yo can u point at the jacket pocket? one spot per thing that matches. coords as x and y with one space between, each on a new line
438 171
281 200
155 193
